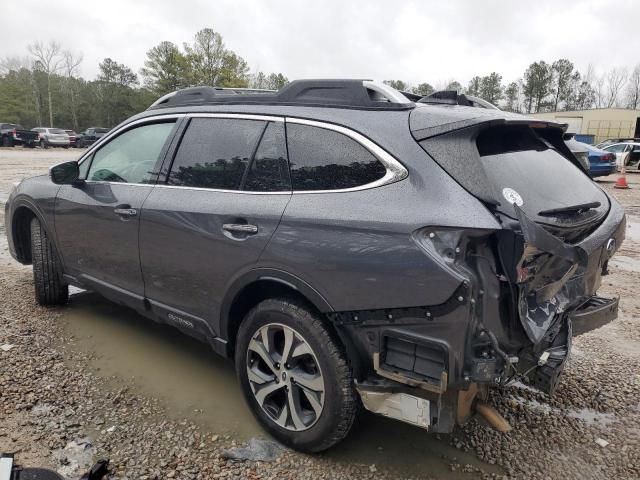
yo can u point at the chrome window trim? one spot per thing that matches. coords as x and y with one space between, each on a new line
114 133
395 170
220 190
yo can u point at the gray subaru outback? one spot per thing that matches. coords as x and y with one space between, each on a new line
345 244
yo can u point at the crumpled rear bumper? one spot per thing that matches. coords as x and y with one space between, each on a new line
594 314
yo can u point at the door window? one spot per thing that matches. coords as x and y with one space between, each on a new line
232 154
615 148
131 156
323 159
269 169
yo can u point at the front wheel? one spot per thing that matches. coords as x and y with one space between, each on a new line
295 376
47 269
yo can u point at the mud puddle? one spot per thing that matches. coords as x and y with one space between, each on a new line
192 382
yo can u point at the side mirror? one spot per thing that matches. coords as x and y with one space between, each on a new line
66 173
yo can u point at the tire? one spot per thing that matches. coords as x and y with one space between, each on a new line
327 419
47 269
7 142
43 144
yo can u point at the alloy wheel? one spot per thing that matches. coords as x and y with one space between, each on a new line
285 377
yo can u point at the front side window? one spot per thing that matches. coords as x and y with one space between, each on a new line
131 156
323 159
232 154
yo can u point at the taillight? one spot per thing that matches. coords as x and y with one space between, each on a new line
15 134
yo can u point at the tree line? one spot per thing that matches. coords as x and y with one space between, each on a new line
548 87
44 88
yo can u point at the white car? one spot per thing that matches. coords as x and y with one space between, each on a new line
622 149
52 137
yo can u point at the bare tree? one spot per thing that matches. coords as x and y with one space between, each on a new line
71 70
599 91
49 60
615 80
9 64
633 88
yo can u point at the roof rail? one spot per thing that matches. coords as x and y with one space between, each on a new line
357 94
452 97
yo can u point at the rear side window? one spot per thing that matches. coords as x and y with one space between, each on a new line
232 154
323 159
215 153
269 169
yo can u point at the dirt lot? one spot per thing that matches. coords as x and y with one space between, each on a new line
93 380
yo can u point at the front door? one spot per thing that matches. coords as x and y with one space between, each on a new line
212 216
97 222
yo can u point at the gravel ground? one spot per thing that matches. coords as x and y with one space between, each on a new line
51 396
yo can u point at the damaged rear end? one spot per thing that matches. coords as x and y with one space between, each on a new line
528 287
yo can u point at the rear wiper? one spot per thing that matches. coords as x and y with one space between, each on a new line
581 208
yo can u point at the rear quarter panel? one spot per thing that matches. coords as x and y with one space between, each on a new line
356 248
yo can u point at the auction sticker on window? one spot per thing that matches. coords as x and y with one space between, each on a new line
512 196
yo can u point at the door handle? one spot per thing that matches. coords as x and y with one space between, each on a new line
125 210
240 228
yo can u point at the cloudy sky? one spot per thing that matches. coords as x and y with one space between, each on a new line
382 39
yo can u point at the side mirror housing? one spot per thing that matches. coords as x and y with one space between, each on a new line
66 173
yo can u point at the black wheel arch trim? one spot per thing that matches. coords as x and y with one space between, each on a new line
26 202
273 275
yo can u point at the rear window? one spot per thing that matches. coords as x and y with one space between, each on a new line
101 130
494 141
323 159
57 131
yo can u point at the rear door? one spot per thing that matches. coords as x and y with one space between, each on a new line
97 221
212 214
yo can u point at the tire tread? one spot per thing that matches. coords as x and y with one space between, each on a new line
50 287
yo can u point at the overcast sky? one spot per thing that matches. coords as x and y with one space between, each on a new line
410 40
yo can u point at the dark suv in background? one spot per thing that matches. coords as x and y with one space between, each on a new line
89 136
340 242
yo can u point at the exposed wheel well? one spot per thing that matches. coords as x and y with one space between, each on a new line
260 290
21 229
250 296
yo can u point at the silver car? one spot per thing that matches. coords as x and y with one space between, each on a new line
52 137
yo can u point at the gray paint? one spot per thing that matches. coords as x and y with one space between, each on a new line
347 251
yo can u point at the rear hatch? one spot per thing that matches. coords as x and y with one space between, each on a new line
508 160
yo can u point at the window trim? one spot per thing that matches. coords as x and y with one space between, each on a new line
90 153
395 170
117 131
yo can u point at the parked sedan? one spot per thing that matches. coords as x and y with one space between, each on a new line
601 162
52 137
73 138
578 150
90 136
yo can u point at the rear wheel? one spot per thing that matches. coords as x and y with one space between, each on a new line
47 269
295 376
43 144
7 142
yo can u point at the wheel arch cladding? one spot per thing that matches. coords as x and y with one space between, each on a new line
21 232
248 292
